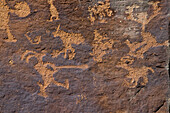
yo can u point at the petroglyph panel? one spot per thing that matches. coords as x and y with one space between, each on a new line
137 50
83 56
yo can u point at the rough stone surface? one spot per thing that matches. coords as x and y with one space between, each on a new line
84 56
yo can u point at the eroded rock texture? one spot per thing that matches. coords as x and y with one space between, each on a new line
83 56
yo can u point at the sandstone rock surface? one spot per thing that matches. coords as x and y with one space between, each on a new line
84 56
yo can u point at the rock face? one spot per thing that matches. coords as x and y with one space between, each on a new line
83 56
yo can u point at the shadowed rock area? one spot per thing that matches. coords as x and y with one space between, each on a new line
84 56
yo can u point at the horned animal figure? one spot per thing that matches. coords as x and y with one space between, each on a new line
68 40
134 73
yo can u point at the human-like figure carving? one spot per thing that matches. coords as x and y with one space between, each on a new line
21 9
47 70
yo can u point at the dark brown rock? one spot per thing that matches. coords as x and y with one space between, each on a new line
83 56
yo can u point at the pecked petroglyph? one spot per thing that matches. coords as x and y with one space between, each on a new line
142 17
47 74
134 73
100 11
100 46
47 70
148 40
21 9
53 11
36 40
85 66
68 39
138 49
80 98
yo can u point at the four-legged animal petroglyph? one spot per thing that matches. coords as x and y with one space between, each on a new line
137 49
134 72
68 39
47 70
22 10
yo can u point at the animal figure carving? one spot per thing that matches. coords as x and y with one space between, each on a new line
101 45
134 72
47 70
68 39
142 17
138 49
22 10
